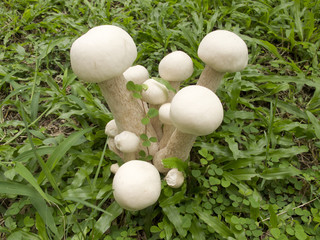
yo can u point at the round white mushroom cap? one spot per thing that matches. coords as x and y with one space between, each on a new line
136 185
176 66
114 168
104 52
174 178
164 114
137 74
196 110
127 142
111 129
224 51
156 94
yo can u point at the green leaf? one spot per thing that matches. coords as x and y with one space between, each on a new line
275 232
152 112
104 222
279 173
315 124
145 120
86 203
27 175
130 86
214 222
273 217
173 214
166 83
36 199
61 150
175 163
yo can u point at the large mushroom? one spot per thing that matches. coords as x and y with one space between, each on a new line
222 51
101 56
136 185
195 111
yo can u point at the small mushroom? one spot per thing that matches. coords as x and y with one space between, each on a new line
174 178
136 185
128 143
114 168
155 94
222 51
137 74
195 111
111 128
176 67
164 114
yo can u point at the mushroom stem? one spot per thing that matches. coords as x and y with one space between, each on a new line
126 110
179 146
210 78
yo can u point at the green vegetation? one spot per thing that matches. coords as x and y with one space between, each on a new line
256 177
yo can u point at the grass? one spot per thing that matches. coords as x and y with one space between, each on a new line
256 177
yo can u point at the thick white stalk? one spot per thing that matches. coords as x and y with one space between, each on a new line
210 78
126 110
179 145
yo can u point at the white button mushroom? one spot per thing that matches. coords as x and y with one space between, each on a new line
222 51
164 114
156 93
137 74
114 168
194 111
174 178
176 67
102 55
128 143
136 185
111 128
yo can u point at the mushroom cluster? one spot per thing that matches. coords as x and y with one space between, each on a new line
105 55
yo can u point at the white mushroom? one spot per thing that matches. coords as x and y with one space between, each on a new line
176 67
156 93
194 111
164 114
174 178
114 168
222 51
128 143
137 74
136 185
101 56
111 129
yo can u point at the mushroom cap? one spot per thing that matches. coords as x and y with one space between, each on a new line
224 51
104 52
137 74
136 185
127 142
114 168
111 128
176 66
156 94
174 178
196 110
164 113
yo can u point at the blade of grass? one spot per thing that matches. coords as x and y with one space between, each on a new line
61 150
37 201
216 224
